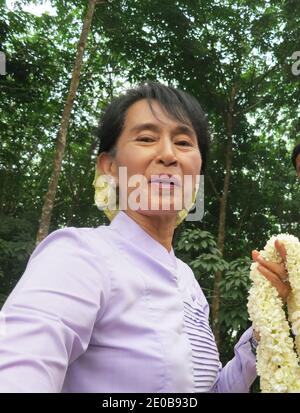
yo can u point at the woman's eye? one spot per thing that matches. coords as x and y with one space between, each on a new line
184 143
145 139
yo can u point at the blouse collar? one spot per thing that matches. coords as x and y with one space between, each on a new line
132 231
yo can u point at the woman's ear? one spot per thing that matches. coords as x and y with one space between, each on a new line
106 165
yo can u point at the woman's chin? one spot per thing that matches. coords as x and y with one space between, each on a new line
158 213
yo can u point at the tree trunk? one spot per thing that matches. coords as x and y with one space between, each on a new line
62 133
222 217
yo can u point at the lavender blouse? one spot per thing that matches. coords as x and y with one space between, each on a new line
109 310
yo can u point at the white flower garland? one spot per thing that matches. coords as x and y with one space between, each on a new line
277 361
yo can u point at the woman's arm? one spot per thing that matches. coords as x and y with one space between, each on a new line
240 372
48 318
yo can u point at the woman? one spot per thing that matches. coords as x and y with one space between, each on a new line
112 309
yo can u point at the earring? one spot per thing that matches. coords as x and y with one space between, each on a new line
181 215
105 194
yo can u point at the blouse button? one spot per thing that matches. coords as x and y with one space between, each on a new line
193 296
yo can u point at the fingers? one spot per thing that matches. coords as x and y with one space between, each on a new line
256 335
276 273
281 249
277 269
283 289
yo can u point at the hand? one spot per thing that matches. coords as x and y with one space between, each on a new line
274 272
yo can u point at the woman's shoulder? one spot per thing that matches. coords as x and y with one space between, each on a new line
71 239
71 253
66 266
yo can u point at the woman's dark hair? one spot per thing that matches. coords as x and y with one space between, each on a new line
295 153
177 103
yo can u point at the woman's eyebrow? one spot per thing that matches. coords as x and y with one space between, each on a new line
180 129
142 126
185 130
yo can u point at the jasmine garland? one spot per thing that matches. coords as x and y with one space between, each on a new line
277 362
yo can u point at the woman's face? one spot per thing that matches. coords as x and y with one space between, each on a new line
156 147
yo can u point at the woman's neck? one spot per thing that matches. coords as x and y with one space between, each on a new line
159 227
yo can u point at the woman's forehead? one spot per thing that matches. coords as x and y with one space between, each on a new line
141 113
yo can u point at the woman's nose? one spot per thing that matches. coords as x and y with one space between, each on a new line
166 152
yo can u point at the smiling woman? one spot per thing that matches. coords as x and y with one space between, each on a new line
137 132
112 309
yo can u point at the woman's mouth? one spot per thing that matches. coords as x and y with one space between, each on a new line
164 181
